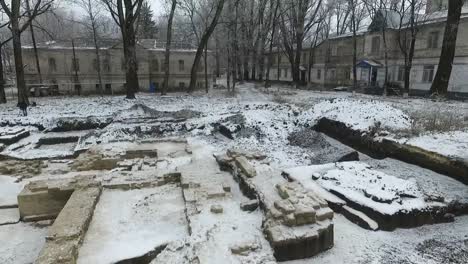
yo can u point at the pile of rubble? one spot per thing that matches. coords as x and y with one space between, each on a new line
298 222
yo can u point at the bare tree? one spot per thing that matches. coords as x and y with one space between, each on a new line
297 18
168 47
3 42
92 12
352 6
274 5
444 70
410 16
125 14
204 41
17 25
33 38
379 10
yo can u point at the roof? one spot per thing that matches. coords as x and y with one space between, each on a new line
88 43
369 64
80 43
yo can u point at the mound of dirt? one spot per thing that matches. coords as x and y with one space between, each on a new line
308 138
142 111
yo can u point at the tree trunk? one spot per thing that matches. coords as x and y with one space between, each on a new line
19 67
98 57
206 68
36 54
353 24
168 48
202 44
384 36
131 69
76 78
444 70
2 80
217 58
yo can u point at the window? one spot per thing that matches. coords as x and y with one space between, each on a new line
182 86
433 40
272 60
108 88
155 65
347 73
304 57
181 65
52 65
401 74
95 65
428 74
106 65
123 64
75 65
375 45
332 74
334 50
319 74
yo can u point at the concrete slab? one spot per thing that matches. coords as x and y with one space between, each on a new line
9 190
20 243
129 224
9 216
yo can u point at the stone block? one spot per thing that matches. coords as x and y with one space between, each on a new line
74 219
304 215
216 209
63 252
139 153
226 187
41 204
282 191
284 206
290 220
244 165
173 177
216 192
244 249
324 214
249 206
275 213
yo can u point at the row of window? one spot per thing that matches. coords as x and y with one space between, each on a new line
334 50
427 77
75 65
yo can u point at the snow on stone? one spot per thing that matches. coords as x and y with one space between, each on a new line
128 224
372 224
9 189
361 184
358 114
451 144
20 243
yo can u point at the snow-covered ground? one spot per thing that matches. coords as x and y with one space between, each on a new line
21 243
128 224
255 121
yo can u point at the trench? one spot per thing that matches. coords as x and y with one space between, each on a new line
456 169
380 150
146 258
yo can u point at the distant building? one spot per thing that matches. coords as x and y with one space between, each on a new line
330 63
74 70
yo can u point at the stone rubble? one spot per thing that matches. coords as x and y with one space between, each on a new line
298 222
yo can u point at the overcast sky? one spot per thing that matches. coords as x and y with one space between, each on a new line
157 6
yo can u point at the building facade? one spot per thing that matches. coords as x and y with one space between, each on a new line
330 63
72 67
